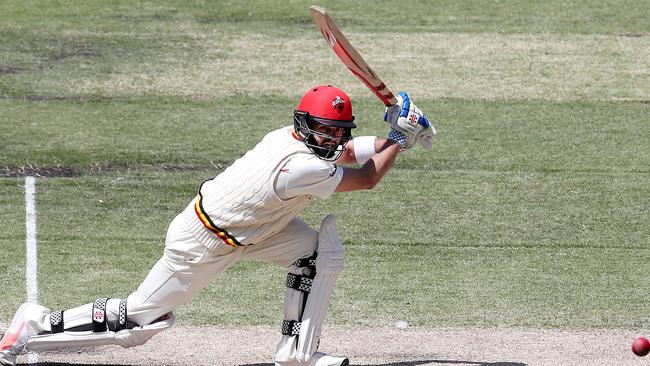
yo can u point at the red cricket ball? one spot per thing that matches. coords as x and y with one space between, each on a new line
641 346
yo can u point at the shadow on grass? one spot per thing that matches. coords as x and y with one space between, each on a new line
423 362
404 363
73 364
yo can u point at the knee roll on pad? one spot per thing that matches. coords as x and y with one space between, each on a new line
331 252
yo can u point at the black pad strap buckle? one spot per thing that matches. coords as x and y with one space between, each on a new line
290 327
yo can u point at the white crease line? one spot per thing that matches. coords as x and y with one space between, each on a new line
31 261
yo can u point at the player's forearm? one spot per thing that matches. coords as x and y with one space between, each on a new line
382 144
351 154
381 162
377 165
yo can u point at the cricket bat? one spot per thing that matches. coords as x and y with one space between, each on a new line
350 56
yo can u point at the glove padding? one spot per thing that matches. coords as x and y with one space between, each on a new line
408 124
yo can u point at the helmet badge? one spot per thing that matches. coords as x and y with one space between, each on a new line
338 103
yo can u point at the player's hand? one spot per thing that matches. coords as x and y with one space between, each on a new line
408 124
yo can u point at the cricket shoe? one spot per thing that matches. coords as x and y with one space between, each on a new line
26 323
322 359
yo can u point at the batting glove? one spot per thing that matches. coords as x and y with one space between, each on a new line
401 139
408 124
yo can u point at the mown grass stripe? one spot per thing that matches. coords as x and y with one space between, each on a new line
210 65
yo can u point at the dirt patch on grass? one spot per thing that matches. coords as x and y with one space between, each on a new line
255 346
8 70
83 52
74 171
36 171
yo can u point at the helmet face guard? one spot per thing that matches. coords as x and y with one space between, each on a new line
305 126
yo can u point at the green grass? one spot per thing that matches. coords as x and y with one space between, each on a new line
552 50
531 209
465 257
503 136
511 16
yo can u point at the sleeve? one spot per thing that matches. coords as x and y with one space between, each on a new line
307 175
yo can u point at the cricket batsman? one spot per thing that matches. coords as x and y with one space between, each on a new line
248 211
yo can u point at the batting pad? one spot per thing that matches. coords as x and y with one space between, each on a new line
329 265
293 307
125 338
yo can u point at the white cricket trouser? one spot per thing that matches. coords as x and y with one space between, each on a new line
187 266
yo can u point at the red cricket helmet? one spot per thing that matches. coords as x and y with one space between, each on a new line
330 104
326 105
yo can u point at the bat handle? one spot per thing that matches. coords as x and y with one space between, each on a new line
388 100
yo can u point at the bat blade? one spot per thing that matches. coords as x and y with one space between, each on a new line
350 56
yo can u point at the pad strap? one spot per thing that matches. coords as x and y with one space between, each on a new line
56 321
121 322
99 315
306 262
300 283
290 327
